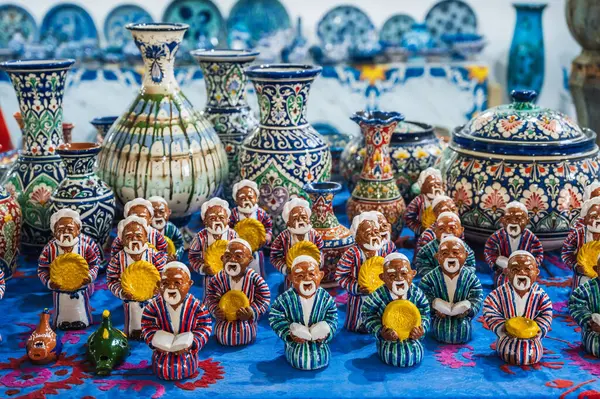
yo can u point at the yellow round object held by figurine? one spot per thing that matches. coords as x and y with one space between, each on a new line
140 280
252 231
171 250
427 217
368 274
213 254
521 327
587 258
69 271
231 302
401 316
302 248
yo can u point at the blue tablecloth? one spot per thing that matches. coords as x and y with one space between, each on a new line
260 370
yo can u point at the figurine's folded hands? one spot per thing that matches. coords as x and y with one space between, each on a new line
417 332
593 326
219 314
245 314
388 334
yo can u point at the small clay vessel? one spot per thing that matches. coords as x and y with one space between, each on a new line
107 347
42 345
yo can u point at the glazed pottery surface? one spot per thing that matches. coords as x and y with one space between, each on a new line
161 145
336 237
107 347
84 192
227 108
284 152
103 125
42 345
10 232
39 86
376 190
521 152
413 148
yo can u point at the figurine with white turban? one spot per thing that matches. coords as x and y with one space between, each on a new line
133 233
170 232
579 235
296 215
513 236
72 309
419 213
368 242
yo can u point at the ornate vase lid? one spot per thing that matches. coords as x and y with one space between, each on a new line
524 129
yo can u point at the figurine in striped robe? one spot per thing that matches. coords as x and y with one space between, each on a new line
454 293
586 231
440 204
367 243
133 231
245 194
305 317
397 277
519 296
175 325
431 185
447 225
513 236
72 310
584 307
236 275
591 191
215 215
296 215
143 209
170 232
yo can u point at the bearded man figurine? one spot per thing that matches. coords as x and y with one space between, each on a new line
431 184
170 232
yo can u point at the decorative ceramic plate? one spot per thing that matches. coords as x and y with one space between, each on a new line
13 20
345 24
67 23
212 256
69 271
256 19
140 280
302 248
207 26
521 327
587 258
368 274
114 26
394 29
401 316
231 302
252 231
451 17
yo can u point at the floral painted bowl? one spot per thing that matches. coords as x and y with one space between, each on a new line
521 152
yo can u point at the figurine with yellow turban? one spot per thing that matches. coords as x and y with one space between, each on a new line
68 266
237 296
519 312
584 307
397 314
419 212
172 235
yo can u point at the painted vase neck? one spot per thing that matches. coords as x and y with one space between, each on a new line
79 163
282 103
377 164
225 84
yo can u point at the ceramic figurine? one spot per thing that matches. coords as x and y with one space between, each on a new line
305 317
175 325
107 347
533 147
42 345
68 266
419 213
142 208
161 145
226 107
133 232
83 191
300 155
513 236
385 230
377 190
171 234
368 244
39 169
215 216
336 237
10 229
440 204
448 224
297 217
397 314
236 323
103 125
582 236
591 191
454 293
584 308
519 312
246 195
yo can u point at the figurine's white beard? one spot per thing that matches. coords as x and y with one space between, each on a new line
217 228
451 265
172 297
432 195
513 230
399 288
595 226
159 223
233 269
521 285
248 207
66 240
300 228
136 248
374 245
308 288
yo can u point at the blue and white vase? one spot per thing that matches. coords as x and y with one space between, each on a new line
284 152
103 125
39 85
226 107
84 192
526 58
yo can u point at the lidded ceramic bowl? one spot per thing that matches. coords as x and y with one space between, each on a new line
521 152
